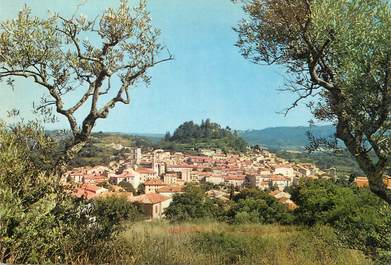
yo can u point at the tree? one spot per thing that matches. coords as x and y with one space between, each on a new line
127 187
40 220
339 53
56 54
361 219
111 211
190 205
256 206
141 188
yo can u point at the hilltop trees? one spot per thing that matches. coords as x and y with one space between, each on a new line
96 60
338 53
207 134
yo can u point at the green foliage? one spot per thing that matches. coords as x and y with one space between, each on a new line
127 187
338 52
141 188
190 205
111 211
191 136
37 218
256 206
40 222
361 219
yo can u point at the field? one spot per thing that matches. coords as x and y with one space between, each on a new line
217 243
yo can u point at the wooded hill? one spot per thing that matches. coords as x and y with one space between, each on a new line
190 136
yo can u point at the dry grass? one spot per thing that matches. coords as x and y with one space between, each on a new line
160 243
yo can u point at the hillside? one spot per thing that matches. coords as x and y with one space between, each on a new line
102 147
190 136
285 138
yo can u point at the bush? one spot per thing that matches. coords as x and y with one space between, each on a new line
256 206
111 211
192 204
127 187
361 219
40 221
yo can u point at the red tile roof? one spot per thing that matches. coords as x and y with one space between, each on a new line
232 177
150 198
175 188
154 182
144 170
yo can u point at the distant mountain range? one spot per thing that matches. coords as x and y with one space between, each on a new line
275 138
286 138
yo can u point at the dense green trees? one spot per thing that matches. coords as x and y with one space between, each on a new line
190 135
192 205
127 187
40 221
256 206
110 212
362 220
248 206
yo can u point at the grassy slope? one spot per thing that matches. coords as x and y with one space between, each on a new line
217 243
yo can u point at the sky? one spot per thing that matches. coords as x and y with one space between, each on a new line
207 79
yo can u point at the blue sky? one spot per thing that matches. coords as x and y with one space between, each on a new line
208 78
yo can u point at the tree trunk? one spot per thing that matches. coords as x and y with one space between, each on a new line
377 186
373 171
71 151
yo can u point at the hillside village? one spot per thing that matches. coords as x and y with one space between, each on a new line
161 174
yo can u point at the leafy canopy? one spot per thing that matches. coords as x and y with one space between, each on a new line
338 55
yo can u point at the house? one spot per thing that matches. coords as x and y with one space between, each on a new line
218 194
184 170
98 170
89 191
154 204
152 185
280 194
94 178
170 190
75 175
361 182
284 198
146 173
234 180
170 178
133 179
253 181
214 179
281 182
126 195
285 170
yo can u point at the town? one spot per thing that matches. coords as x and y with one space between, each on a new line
160 174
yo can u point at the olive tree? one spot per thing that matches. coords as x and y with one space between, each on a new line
338 58
69 55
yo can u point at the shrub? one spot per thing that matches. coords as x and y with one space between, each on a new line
361 220
192 204
256 206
